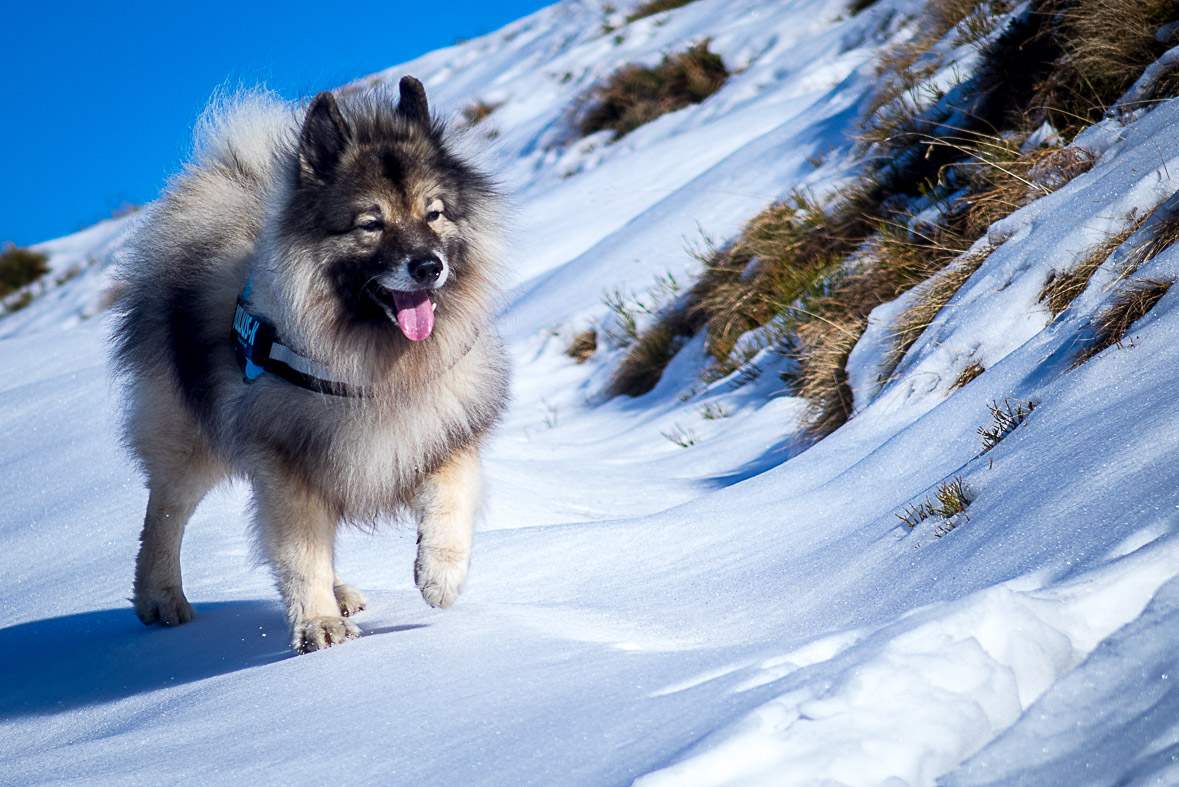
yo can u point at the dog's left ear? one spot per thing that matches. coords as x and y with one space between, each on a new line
412 104
323 139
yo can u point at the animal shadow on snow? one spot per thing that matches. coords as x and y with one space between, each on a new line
92 658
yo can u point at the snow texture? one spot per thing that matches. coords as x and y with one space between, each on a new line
736 611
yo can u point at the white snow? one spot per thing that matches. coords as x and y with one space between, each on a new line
736 611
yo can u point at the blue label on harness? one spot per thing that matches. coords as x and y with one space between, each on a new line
246 326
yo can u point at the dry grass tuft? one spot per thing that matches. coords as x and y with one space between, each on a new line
775 260
583 345
1110 42
931 298
652 7
1062 288
773 264
895 110
647 357
971 371
803 277
940 17
20 266
1005 179
1005 417
1103 47
476 113
823 345
1165 235
635 95
681 436
1129 306
950 499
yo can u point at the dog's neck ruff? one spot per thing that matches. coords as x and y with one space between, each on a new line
259 350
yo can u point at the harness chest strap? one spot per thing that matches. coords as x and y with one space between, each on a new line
259 349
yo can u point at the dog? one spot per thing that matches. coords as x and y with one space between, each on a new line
310 306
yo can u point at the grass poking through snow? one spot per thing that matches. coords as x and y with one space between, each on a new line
681 436
1063 287
583 345
1131 304
1005 417
969 373
950 499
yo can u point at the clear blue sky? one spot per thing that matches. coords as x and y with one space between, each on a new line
99 99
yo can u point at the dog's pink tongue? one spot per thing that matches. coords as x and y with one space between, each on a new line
415 314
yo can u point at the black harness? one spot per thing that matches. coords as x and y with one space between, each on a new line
259 350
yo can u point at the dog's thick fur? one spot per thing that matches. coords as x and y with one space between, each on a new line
325 210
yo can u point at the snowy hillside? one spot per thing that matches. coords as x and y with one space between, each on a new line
672 589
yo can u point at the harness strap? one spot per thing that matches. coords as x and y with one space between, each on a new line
259 349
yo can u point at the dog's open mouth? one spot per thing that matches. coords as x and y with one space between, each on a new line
414 311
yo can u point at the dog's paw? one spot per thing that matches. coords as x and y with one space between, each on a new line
350 600
166 606
440 575
322 632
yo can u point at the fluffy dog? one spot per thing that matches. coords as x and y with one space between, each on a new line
309 306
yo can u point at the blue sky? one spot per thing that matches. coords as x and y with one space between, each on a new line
99 99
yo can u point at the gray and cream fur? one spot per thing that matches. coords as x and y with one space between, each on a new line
339 214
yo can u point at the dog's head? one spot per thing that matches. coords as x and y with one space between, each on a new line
389 208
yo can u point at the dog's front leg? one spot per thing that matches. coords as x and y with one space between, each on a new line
446 509
298 533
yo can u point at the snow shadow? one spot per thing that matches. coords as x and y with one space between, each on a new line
92 658
778 453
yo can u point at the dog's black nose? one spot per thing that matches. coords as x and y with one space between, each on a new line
425 270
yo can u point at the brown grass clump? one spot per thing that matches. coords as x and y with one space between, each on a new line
897 260
635 95
1164 237
476 113
652 7
1104 46
583 345
20 266
1063 287
971 371
774 261
823 345
649 354
1110 42
950 499
1129 306
933 296
940 17
1005 179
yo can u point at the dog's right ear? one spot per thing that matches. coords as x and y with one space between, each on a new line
412 103
322 141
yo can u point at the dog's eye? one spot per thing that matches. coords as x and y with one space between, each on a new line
370 224
433 216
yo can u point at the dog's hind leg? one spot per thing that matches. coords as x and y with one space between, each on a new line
178 478
446 507
298 532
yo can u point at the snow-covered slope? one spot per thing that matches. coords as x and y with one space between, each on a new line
734 611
